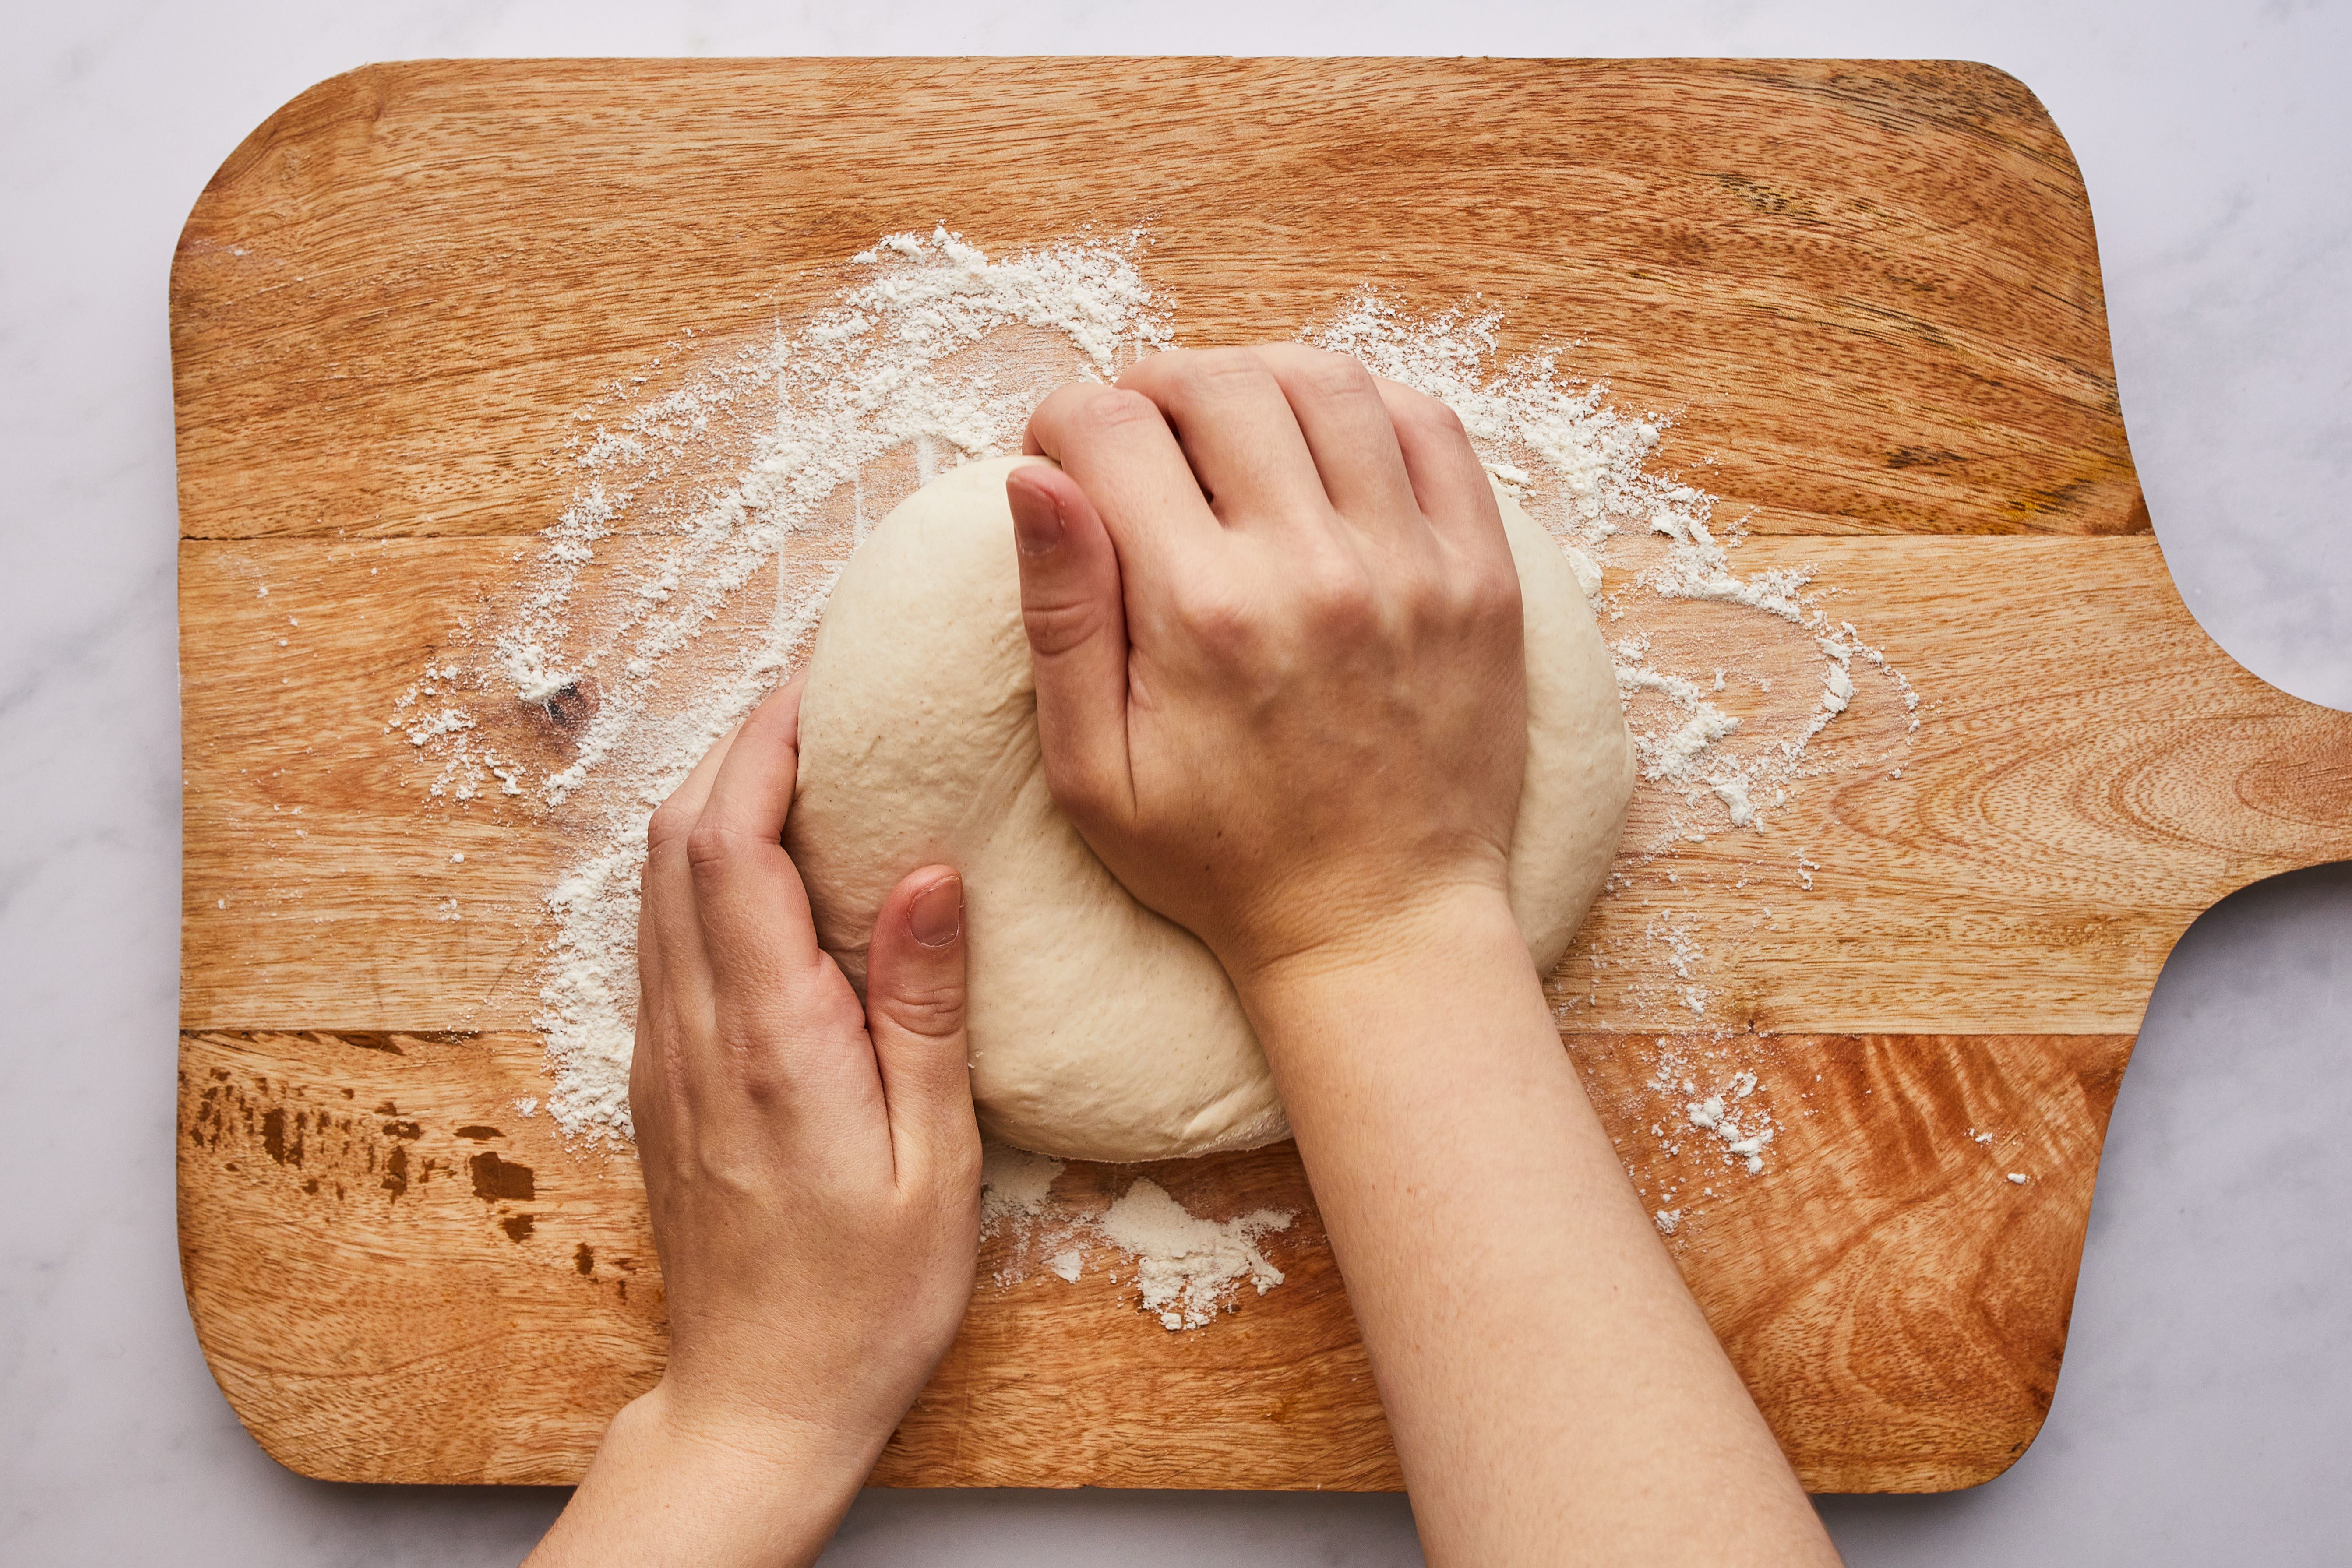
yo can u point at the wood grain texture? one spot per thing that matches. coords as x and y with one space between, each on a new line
2066 809
396 1278
1870 290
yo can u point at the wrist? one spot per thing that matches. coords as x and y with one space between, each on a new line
673 1482
1443 929
740 1445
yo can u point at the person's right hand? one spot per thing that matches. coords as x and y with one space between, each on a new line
1276 629
1281 691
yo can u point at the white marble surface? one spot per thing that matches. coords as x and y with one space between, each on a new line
2202 1417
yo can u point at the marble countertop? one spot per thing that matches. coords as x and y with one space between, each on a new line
2206 1403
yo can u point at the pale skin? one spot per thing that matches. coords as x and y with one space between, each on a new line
1276 636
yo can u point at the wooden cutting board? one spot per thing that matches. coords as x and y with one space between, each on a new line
1873 294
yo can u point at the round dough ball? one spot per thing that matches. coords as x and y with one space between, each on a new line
1101 1030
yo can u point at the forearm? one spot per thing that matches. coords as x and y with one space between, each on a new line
1554 1393
663 1491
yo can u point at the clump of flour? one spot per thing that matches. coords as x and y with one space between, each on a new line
1720 1108
1013 1184
1720 1114
1186 1270
1707 1113
1188 1267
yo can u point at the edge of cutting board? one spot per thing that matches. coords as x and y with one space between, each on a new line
335 1184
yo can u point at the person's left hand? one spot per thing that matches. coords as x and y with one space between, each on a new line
812 1166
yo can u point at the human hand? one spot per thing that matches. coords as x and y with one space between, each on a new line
812 1166
1275 628
1276 636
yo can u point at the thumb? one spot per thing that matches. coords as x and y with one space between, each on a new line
1076 622
914 1014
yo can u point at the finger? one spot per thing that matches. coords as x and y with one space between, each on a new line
1072 608
914 1014
1448 481
652 1092
1238 433
1118 448
665 914
1349 433
753 908
684 803
751 789
673 969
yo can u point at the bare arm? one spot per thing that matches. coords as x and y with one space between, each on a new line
1554 1393
1278 643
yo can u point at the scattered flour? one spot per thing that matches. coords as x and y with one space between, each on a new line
1705 1110
674 590
711 517
1579 467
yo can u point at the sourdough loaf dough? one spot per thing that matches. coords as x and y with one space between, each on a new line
1101 1030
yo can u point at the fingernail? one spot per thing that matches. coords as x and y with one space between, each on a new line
1036 520
936 915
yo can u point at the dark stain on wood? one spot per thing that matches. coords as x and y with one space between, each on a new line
571 708
497 1180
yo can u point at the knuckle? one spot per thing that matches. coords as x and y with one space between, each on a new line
930 1010
1217 370
669 822
1428 417
1056 623
1085 781
707 847
1497 590
1074 786
752 1067
833 1012
1336 376
1340 596
1477 596
1212 619
959 1161
1114 412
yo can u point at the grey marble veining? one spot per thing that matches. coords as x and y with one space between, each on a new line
2202 1417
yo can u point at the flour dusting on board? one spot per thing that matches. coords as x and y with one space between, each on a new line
719 494
1712 738
686 577
1737 687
